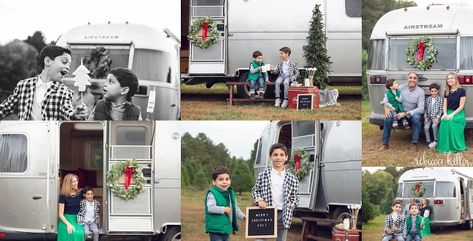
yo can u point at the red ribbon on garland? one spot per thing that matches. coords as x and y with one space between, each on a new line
297 158
420 50
129 171
417 188
205 27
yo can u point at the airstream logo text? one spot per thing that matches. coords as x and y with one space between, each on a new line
101 37
423 26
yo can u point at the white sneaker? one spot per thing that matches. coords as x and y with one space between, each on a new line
277 102
433 144
284 104
252 93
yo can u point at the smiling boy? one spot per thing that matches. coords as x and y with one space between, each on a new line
44 97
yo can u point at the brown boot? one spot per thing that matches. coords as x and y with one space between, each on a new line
414 147
383 147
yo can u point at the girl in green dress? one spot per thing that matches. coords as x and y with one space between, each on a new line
451 136
69 206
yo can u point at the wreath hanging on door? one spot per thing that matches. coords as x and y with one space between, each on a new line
133 174
421 53
299 163
203 32
98 62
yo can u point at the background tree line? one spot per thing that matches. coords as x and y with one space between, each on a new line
200 155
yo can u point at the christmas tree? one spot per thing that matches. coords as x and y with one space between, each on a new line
315 52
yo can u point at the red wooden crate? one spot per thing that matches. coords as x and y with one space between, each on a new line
294 91
339 235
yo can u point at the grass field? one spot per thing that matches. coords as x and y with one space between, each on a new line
373 231
200 103
399 154
193 217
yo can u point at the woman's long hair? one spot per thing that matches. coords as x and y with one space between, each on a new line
66 187
456 85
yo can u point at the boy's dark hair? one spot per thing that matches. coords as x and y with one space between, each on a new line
413 204
126 78
389 83
278 146
86 189
286 50
220 170
434 86
396 202
256 54
52 51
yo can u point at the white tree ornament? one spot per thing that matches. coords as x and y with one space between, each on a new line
81 77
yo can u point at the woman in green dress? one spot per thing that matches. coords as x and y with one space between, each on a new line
425 213
69 206
451 136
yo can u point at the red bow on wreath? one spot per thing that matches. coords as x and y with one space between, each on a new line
417 188
129 171
205 27
297 158
420 50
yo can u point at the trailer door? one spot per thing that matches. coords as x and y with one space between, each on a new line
469 198
306 137
28 183
130 140
212 59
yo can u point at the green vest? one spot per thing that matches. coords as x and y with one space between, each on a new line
221 223
255 64
392 100
409 224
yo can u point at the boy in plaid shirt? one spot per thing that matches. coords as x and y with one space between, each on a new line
432 114
44 97
277 187
394 224
89 215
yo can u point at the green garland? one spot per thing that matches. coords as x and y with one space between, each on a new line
117 171
421 191
98 63
304 166
195 33
430 53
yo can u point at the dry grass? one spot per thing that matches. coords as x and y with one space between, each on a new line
192 209
374 231
199 103
399 153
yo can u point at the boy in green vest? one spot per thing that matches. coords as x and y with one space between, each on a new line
414 224
394 102
221 210
257 73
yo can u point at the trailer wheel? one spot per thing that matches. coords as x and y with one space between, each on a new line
173 233
469 225
243 91
340 213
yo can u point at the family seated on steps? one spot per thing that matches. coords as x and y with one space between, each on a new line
407 104
45 97
287 72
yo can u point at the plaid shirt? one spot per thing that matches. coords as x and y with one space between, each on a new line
399 222
432 111
81 214
57 103
293 71
262 191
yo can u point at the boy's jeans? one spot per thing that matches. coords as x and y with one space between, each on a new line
391 236
415 124
91 226
218 237
282 231
286 80
434 130
260 83
415 237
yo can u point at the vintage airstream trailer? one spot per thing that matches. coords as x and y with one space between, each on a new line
334 179
153 55
36 155
449 29
449 191
267 26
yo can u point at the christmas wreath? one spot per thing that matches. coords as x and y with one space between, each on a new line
203 32
421 53
98 62
132 171
299 163
418 189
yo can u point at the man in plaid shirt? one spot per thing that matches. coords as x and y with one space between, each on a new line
277 187
44 97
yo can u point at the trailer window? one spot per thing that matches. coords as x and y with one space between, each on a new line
353 8
152 65
446 57
376 54
409 187
13 154
466 53
131 135
118 55
445 189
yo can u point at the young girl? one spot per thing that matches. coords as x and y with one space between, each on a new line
69 205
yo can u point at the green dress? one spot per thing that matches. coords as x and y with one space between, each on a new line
77 235
451 135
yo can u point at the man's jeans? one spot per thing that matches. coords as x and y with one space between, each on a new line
415 122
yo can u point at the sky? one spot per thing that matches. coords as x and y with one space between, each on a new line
21 18
427 2
237 136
